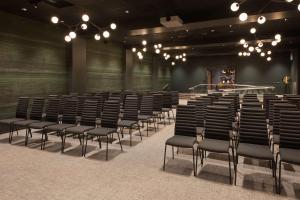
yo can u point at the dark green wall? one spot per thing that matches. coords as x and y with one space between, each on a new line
249 70
33 61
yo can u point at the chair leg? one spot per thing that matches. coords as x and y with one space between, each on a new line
42 141
99 141
140 132
202 153
130 137
279 178
107 147
194 162
147 128
173 152
274 172
229 160
122 132
164 166
197 153
82 144
26 137
30 132
120 141
86 139
9 135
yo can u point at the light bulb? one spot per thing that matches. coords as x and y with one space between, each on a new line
72 34
289 1
180 56
54 20
274 43
261 19
139 53
269 59
166 58
85 18
234 6
251 49
165 54
155 46
83 26
278 37
184 54
260 44
97 36
253 30
176 57
245 45
144 42
157 51
133 49
240 54
106 34
258 50
248 54
242 41
144 49
113 26
183 59
262 54
244 53
68 38
299 7
269 52
141 57
243 17
159 45
173 63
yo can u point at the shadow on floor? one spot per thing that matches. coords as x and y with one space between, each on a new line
179 166
126 142
259 182
296 187
101 154
55 147
77 150
255 162
215 173
15 139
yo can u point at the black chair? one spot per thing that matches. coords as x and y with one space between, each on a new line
217 133
109 125
167 106
157 107
185 131
21 114
200 113
254 105
87 122
51 118
253 138
289 142
146 112
36 115
68 120
130 117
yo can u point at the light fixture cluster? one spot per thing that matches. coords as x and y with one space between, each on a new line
258 47
83 25
142 49
243 16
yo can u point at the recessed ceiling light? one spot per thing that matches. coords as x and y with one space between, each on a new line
127 11
187 30
212 30
24 9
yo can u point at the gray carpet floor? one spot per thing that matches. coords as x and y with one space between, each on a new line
135 173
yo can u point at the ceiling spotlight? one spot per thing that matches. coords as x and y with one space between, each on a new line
251 49
165 54
274 43
141 57
245 45
54 20
299 7
248 54
289 1
261 19
244 53
144 42
139 53
240 54
113 26
159 45
260 44
84 26
180 56
97 36
243 17
24 9
144 49
106 34
127 11
242 41
157 51
176 57
155 46
72 34
278 37
173 63
68 38
166 58
184 54
133 49
253 30
269 52
262 54
269 59
183 59
258 50
85 18
234 7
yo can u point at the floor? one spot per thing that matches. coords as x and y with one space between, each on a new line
135 173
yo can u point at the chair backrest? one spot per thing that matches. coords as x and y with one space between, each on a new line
37 108
22 107
185 123
217 122
289 129
89 113
254 105
110 114
167 100
229 104
100 102
157 102
200 111
175 98
253 126
146 105
272 110
131 108
70 111
52 110
81 100
276 119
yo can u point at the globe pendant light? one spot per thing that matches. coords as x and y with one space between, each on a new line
234 6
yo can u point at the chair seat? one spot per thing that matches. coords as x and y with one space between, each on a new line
25 122
101 131
255 151
127 123
144 117
59 127
219 146
41 125
181 141
290 155
276 138
79 129
10 121
200 130
166 109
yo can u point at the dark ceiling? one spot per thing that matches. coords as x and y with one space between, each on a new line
146 14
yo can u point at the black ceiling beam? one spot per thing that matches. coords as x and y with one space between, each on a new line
213 23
